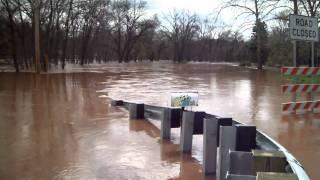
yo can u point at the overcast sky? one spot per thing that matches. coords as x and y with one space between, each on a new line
200 7
204 8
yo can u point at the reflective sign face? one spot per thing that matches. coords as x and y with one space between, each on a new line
303 28
181 99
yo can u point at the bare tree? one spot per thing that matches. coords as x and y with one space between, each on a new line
10 9
21 33
261 11
206 34
67 26
103 30
180 27
91 12
129 26
310 7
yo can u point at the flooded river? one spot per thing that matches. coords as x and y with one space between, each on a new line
60 126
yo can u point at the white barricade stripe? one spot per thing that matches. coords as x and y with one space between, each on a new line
300 70
300 88
300 106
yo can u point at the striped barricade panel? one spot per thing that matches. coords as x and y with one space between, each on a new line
300 88
300 106
294 71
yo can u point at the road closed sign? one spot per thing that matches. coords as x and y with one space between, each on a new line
303 28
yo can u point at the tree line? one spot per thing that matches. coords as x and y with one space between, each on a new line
87 31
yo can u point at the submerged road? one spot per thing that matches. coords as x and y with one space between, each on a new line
59 126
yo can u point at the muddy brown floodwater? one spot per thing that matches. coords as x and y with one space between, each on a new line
60 125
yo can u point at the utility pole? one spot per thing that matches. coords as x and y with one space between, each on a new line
37 35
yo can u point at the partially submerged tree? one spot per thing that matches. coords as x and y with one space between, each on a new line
78 31
264 40
129 26
10 9
278 40
207 32
257 12
180 27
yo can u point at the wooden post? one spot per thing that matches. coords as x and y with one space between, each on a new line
312 53
294 55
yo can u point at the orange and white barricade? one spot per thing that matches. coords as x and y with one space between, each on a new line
302 106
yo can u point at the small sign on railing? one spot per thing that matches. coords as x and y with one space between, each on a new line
184 99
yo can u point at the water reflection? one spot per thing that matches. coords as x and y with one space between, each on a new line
170 153
247 95
55 126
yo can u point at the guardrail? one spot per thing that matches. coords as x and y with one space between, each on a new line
244 152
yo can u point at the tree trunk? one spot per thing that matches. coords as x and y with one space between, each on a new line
119 48
259 61
12 34
65 42
258 53
85 44
73 56
57 40
22 37
48 33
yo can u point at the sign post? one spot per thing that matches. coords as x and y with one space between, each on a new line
294 55
303 28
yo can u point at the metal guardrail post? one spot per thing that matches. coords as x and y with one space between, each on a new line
246 137
165 130
192 123
210 134
175 115
241 163
227 143
198 122
187 131
222 122
136 111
